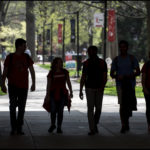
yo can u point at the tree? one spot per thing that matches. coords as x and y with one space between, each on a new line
30 27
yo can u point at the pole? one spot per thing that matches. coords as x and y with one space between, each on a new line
77 44
63 50
105 27
51 40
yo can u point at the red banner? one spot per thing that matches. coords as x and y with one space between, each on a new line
111 25
59 33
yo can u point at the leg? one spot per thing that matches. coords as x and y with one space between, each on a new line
22 97
147 101
90 95
53 115
12 107
60 110
98 108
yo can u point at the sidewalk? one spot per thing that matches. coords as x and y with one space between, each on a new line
75 125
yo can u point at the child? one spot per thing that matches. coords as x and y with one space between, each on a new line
58 93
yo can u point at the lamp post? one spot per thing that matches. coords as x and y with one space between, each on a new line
105 22
51 50
77 18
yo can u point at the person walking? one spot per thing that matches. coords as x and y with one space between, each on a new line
16 67
94 78
124 70
146 88
57 93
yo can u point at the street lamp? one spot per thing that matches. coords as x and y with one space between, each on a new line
105 22
51 39
77 15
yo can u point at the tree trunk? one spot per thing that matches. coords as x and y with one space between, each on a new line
30 28
148 24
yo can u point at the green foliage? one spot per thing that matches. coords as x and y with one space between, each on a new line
1 93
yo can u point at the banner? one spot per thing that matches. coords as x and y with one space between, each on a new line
59 33
72 21
111 25
99 20
48 36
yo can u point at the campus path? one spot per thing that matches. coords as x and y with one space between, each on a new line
75 125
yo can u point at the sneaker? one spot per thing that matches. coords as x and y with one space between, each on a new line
123 129
59 130
12 132
51 129
91 133
127 128
20 132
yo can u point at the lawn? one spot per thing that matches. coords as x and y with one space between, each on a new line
110 88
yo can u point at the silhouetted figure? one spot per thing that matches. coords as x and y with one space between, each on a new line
0 74
124 69
57 93
94 77
16 68
146 88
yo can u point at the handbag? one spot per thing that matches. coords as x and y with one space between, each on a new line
46 104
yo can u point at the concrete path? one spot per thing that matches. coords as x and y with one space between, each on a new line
75 125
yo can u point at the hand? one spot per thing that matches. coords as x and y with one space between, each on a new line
4 89
145 91
71 95
81 95
32 87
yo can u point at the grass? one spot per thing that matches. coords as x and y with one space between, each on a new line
1 93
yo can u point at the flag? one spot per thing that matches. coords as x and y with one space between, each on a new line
72 21
59 33
111 25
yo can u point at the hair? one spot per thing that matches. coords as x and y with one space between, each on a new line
19 42
55 61
124 42
92 47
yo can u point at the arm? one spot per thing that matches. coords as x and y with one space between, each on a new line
32 72
143 83
69 86
82 82
4 75
48 87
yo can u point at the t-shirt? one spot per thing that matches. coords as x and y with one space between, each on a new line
58 85
146 69
124 66
18 69
94 69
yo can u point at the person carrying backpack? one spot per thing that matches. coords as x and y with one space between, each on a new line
16 67
94 77
124 70
146 88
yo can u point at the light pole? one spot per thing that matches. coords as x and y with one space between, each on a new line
51 50
77 18
105 22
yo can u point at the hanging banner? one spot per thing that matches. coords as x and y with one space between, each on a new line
72 21
111 25
48 36
59 33
99 20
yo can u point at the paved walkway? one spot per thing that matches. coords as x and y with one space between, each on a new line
75 125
